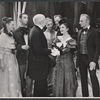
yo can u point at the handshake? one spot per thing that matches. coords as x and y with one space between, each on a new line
55 52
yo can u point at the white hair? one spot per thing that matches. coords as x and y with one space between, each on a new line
38 18
87 16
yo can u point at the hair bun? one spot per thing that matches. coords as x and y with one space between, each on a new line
65 20
4 19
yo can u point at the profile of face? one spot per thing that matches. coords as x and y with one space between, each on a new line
42 21
10 26
56 20
63 28
49 24
83 21
24 19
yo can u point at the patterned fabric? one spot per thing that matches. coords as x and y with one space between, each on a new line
83 48
9 72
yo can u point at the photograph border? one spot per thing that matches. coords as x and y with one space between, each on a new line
51 98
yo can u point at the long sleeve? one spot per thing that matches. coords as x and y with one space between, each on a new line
37 45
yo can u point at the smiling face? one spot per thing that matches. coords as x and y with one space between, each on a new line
63 28
49 25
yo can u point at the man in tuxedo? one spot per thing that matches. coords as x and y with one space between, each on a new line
88 55
21 38
38 57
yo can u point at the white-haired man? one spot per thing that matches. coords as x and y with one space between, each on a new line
88 54
38 57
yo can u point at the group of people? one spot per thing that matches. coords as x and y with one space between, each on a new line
25 57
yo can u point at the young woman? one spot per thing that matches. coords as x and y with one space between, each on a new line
50 33
65 79
9 72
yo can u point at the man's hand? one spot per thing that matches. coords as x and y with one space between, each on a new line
25 47
92 65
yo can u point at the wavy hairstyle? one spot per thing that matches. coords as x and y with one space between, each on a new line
6 20
67 23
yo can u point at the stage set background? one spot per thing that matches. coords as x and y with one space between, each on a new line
71 10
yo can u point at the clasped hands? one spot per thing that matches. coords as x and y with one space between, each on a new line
55 52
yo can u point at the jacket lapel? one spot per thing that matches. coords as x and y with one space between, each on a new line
21 35
89 32
79 34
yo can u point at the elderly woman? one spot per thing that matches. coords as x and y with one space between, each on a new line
65 79
9 72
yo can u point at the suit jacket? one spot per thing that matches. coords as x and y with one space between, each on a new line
21 54
38 55
93 45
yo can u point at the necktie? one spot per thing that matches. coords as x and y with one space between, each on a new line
24 30
85 30
10 34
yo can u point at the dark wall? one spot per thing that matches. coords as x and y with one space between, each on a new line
71 10
5 10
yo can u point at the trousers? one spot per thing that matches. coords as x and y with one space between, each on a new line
84 67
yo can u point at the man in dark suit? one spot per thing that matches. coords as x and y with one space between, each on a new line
88 55
21 38
38 57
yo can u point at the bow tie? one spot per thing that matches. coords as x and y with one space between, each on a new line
85 30
24 30
10 34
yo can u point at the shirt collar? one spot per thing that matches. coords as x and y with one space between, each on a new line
88 27
40 27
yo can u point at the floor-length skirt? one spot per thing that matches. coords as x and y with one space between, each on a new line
65 78
9 76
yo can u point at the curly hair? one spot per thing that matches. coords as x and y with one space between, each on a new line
6 20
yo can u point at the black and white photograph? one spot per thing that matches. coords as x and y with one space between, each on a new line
50 49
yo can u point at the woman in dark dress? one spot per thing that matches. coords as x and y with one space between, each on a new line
65 78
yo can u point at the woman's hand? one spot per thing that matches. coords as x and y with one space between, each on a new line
55 52
10 45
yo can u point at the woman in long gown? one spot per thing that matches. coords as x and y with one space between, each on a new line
9 71
50 35
65 78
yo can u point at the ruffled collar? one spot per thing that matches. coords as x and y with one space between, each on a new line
5 40
62 41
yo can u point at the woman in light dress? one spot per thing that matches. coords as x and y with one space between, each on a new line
9 71
65 78
50 35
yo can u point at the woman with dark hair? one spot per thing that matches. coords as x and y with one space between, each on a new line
65 79
9 72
